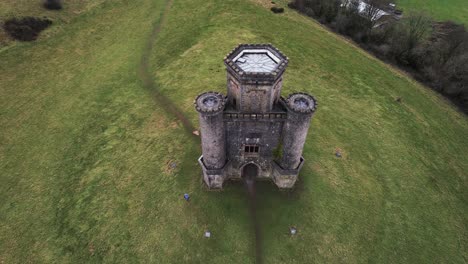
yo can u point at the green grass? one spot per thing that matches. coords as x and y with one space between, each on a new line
22 8
85 148
455 10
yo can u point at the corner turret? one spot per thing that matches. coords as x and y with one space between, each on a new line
301 108
210 106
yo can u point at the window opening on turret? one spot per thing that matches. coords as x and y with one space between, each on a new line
251 148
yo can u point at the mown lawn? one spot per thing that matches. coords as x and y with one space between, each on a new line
455 10
87 151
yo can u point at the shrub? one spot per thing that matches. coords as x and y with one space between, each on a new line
292 5
309 12
406 37
443 61
277 10
330 10
351 24
381 35
53 4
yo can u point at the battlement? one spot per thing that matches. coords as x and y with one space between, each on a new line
210 103
301 103
254 73
249 117
260 63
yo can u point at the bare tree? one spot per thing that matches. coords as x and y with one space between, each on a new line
418 26
410 32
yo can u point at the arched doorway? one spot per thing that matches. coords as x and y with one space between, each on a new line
249 172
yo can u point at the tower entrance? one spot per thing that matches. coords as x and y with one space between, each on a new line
249 172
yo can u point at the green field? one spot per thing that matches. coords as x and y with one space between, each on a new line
455 10
86 145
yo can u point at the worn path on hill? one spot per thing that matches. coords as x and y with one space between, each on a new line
171 108
144 74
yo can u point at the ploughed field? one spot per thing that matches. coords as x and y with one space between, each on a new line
93 166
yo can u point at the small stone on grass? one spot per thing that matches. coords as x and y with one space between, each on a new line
292 230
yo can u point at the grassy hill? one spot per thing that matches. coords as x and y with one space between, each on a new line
456 10
22 8
93 165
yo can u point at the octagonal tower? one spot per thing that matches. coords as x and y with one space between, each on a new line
255 77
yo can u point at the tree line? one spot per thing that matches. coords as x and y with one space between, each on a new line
434 52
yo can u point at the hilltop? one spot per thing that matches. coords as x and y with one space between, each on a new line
94 159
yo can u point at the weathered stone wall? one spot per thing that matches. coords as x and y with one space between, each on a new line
253 96
295 131
277 91
256 98
213 140
210 106
234 91
294 136
264 131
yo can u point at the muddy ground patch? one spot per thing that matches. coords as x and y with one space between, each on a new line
26 28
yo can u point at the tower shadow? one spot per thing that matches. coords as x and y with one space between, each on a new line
249 174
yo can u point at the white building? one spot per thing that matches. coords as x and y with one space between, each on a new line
380 17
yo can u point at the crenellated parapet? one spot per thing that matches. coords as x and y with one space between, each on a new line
301 103
243 74
210 103
254 75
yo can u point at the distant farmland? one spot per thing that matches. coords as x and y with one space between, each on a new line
456 10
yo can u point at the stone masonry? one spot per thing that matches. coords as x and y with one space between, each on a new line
253 124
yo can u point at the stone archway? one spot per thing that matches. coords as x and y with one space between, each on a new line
250 172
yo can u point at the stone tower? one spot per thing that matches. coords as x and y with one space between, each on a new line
253 128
